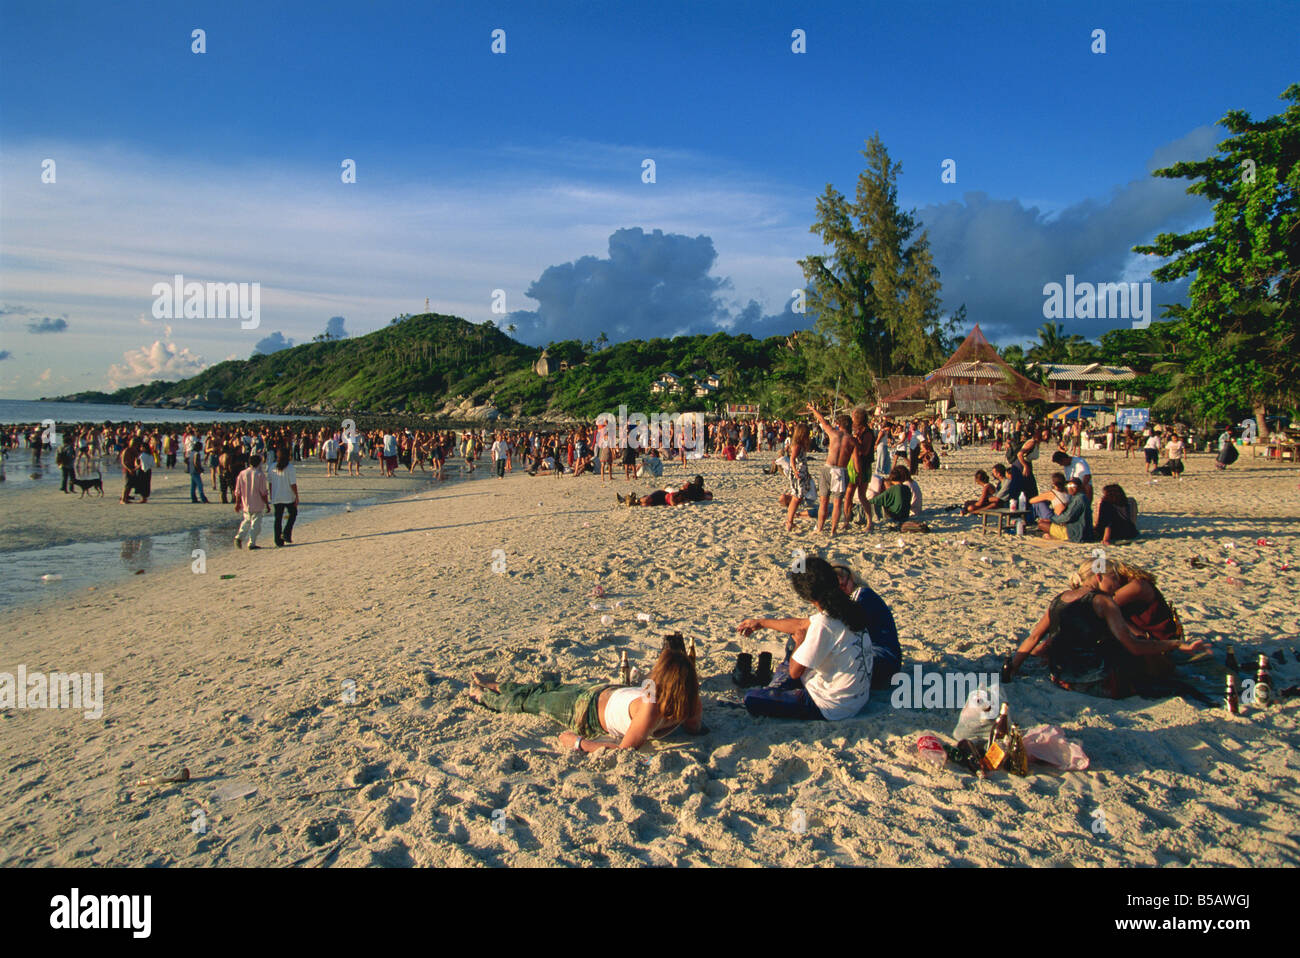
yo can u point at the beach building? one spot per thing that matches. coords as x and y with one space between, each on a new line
975 381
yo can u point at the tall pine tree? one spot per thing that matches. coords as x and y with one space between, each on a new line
876 293
1239 329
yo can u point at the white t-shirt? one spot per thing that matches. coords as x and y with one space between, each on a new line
146 461
331 449
282 484
839 667
1078 468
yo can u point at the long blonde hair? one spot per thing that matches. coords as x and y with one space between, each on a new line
1086 574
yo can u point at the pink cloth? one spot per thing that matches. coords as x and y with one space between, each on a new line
252 493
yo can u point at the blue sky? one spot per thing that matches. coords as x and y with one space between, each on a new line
522 172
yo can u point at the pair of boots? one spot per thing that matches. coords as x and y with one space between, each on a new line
744 673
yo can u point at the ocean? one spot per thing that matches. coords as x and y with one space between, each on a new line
28 411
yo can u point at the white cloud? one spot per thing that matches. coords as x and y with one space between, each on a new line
160 361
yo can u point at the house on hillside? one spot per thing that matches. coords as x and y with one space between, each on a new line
667 383
706 386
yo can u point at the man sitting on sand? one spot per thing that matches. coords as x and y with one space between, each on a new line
880 625
1074 522
895 503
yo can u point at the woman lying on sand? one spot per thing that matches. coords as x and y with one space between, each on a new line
1108 635
627 713
827 675
692 491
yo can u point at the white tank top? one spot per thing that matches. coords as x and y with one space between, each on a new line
618 709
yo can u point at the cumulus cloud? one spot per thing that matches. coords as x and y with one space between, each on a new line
334 328
650 285
47 325
272 343
995 255
162 360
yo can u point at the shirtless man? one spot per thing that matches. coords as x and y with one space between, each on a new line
834 480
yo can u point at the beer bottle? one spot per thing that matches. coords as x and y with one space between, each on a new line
1018 756
1230 663
624 669
1263 683
999 745
1230 695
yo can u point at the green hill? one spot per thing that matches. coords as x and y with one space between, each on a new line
436 364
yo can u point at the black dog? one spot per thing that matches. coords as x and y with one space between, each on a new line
88 484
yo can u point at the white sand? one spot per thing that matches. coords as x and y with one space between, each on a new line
241 681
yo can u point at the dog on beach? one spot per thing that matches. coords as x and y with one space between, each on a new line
87 484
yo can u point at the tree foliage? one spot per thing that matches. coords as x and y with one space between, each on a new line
1239 328
875 292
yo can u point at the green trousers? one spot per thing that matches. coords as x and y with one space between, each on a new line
576 706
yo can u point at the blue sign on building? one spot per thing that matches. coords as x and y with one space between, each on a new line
1137 418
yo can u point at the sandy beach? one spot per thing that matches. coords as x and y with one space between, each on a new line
243 674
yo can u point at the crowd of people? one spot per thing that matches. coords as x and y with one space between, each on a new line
1111 633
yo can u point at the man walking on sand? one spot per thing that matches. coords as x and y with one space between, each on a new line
252 500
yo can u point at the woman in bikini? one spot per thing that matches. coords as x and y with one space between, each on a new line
604 716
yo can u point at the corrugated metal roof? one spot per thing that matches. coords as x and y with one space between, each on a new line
1091 372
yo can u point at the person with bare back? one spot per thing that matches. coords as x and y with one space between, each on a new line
834 480
860 471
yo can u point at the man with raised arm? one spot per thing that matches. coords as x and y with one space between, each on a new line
834 480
